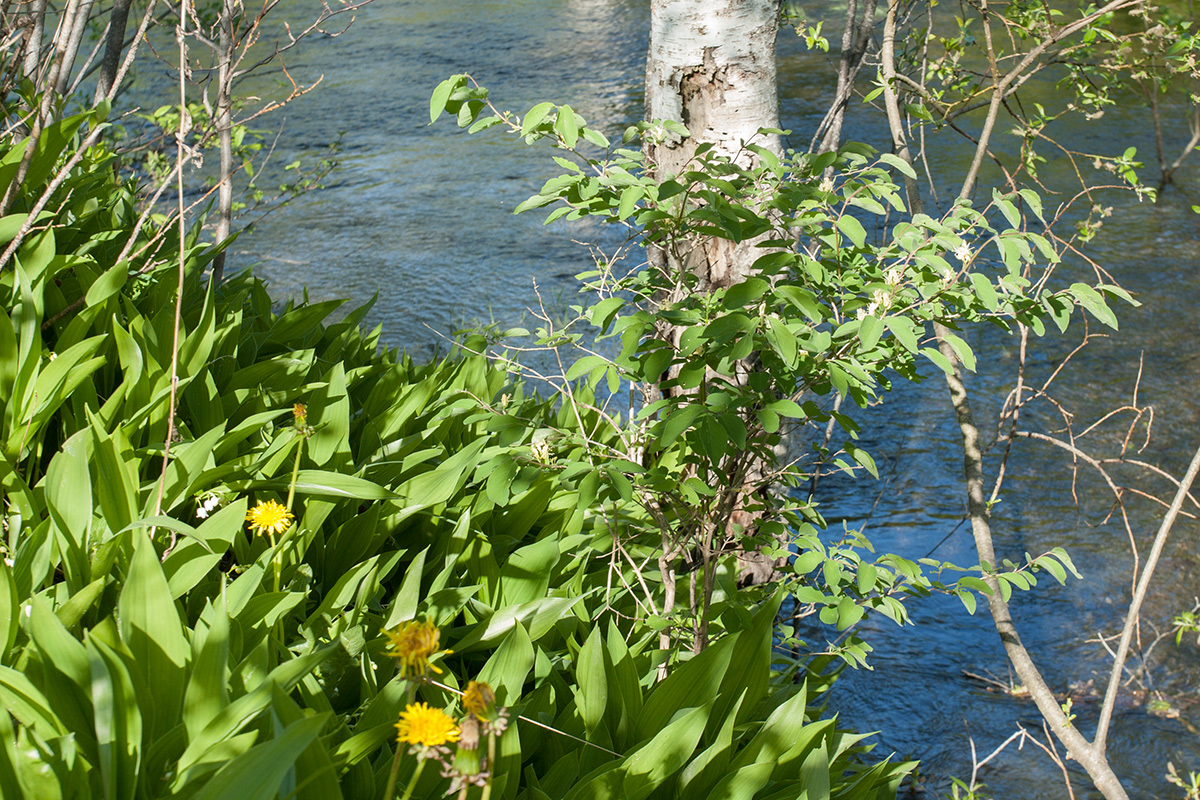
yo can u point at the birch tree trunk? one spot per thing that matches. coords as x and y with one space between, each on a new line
224 120
711 66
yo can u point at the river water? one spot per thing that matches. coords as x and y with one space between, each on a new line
421 216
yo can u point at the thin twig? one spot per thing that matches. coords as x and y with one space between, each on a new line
1160 540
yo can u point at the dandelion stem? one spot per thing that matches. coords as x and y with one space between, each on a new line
491 765
295 472
277 557
390 791
412 783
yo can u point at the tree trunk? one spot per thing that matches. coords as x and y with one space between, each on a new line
78 25
225 47
113 48
711 66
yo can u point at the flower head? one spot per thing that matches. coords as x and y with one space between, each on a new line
270 518
541 452
413 643
206 504
479 700
300 416
424 726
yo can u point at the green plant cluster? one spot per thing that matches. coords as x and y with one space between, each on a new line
154 645
841 300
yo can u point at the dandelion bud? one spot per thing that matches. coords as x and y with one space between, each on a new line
479 700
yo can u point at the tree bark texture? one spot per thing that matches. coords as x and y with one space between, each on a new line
113 48
711 66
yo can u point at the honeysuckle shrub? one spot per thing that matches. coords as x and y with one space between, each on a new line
217 628
742 388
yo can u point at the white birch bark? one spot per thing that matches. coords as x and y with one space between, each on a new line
711 66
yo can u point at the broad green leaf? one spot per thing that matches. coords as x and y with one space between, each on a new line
66 672
690 685
869 331
591 696
962 350
258 773
814 774
1007 208
207 690
194 557
115 481
785 735
852 229
153 632
968 600
985 291
665 754
525 575
782 340
1094 302
702 772
443 482
325 484
628 202
535 117
329 414
437 102
898 163
905 331
68 493
746 292
70 612
404 605
108 284
28 705
937 358
234 717
508 668
538 616
10 784
118 721
10 607
745 783
363 744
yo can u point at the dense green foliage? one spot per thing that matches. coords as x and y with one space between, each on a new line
722 375
177 654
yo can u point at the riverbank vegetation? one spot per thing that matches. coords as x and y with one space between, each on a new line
240 621
250 551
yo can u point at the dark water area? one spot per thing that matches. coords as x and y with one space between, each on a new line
421 216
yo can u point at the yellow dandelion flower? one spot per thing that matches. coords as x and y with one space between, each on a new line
269 517
479 699
424 726
413 643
